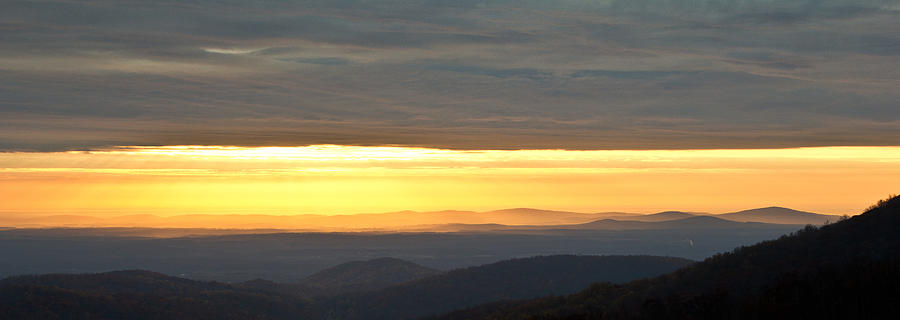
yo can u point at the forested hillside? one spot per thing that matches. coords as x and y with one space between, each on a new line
511 279
847 269
148 295
136 295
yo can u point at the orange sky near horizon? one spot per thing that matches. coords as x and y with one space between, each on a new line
330 179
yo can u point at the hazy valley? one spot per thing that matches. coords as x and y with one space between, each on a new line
289 255
463 274
449 220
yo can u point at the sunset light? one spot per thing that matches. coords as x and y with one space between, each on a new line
330 179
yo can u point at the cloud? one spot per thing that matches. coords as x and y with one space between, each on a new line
527 73
630 74
327 61
578 74
766 59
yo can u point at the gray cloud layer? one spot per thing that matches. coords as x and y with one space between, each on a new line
633 74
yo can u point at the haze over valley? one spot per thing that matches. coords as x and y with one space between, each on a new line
519 218
860 248
442 240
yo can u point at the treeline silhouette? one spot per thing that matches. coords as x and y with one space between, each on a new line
512 279
847 269
148 295
368 275
136 294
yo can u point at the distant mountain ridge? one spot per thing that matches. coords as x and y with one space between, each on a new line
441 221
668 221
310 222
688 223
658 217
779 215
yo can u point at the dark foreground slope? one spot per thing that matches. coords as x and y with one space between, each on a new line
136 295
511 279
845 270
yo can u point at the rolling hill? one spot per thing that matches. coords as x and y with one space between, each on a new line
139 294
366 275
689 223
511 279
656 217
353 276
529 216
848 269
136 294
779 215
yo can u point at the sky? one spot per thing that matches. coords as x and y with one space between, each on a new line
331 179
455 78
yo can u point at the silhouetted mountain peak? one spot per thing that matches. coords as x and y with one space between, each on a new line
780 215
367 275
671 212
774 211
667 215
706 222
692 222
526 211
447 212
705 219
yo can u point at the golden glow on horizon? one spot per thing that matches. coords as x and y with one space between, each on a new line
330 179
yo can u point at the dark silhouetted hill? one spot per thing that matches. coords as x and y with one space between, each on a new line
149 295
708 222
367 275
779 215
691 222
135 295
511 279
658 217
844 270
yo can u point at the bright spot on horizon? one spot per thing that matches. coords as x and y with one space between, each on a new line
331 179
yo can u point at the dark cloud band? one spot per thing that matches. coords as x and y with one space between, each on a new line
638 74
